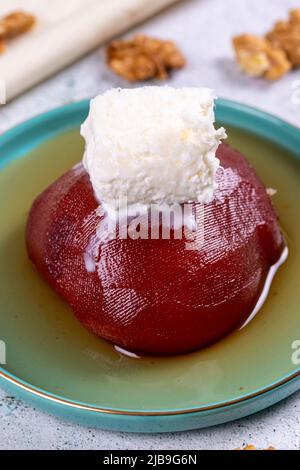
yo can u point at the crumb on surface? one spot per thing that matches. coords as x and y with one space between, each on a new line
271 191
252 447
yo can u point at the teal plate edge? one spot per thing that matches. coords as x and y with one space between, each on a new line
16 143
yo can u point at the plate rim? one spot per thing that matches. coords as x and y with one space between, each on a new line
66 117
52 397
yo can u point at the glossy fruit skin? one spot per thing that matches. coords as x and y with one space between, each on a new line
155 296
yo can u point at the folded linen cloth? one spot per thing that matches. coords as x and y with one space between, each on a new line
64 32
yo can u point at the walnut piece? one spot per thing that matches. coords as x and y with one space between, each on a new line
258 58
2 46
286 36
143 58
13 25
249 447
252 447
274 55
251 54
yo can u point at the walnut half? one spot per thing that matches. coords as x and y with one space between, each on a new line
286 36
14 25
143 58
2 46
274 55
258 58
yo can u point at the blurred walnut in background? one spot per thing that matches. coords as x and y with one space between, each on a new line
286 36
143 58
274 55
14 25
257 57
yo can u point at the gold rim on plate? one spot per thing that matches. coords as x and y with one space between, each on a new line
71 404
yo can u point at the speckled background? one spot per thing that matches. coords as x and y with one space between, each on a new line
203 29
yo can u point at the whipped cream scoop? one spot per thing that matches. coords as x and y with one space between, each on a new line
152 145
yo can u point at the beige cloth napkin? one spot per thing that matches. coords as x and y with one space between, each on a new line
64 32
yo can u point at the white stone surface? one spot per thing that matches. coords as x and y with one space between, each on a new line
203 29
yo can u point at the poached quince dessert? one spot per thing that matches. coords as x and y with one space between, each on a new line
163 238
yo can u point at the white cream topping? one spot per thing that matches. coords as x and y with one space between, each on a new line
152 145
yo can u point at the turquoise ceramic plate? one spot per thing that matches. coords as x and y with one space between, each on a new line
52 361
